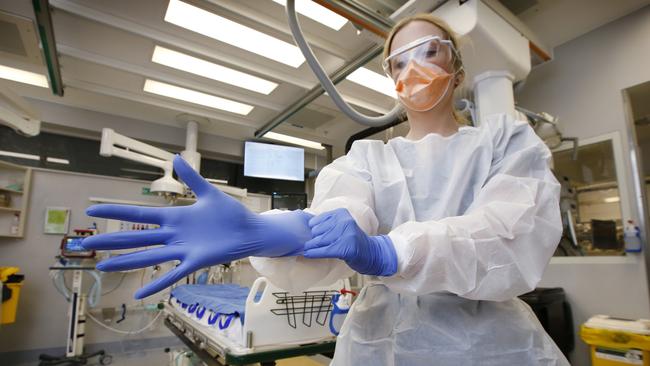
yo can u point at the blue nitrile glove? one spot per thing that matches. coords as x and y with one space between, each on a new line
337 235
216 229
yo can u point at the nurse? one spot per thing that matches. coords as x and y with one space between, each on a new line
452 224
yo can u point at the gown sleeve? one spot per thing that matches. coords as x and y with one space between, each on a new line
345 183
500 246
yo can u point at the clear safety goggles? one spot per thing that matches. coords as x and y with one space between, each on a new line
431 50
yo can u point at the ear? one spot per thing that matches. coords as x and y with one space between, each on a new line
458 79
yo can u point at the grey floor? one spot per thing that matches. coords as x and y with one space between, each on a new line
149 357
160 357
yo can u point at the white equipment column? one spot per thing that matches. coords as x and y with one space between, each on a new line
495 55
76 315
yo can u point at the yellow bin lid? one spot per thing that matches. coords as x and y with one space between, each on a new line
5 272
606 331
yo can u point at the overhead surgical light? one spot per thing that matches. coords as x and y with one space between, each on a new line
197 66
22 76
225 30
294 140
372 80
196 97
318 13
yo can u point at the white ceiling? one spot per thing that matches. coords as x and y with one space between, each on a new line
105 49
559 21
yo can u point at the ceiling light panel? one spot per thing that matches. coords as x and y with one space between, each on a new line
294 140
224 30
197 66
12 154
23 76
196 97
374 81
57 160
318 13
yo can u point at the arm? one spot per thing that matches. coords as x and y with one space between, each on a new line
500 247
215 229
343 184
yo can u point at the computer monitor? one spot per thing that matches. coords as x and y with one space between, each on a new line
289 201
71 247
603 234
274 161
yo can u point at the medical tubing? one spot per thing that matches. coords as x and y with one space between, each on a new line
119 331
325 81
59 285
95 293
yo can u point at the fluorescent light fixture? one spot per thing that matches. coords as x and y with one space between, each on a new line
23 76
141 171
196 97
217 181
12 154
57 161
294 140
224 30
612 199
372 80
318 13
197 66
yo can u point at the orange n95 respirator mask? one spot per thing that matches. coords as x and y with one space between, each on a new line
418 71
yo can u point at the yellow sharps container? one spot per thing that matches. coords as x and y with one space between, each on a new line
617 342
11 284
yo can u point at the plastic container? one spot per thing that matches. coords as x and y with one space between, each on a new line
617 342
632 237
12 282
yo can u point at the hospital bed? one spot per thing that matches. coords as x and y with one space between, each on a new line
275 324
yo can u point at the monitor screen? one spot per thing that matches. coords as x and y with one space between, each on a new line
289 201
73 244
274 161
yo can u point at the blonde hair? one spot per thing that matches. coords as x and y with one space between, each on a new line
448 32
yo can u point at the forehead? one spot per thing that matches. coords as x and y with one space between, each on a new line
415 30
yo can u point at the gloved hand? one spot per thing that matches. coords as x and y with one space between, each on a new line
337 235
216 229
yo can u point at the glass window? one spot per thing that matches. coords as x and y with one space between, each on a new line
590 202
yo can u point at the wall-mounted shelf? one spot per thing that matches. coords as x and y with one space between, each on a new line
10 190
15 202
11 209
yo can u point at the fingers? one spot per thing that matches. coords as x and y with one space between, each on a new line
147 215
165 280
322 252
319 219
322 228
141 259
127 239
325 233
314 243
321 241
192 178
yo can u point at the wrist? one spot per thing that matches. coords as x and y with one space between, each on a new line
386 253
379 258
291 230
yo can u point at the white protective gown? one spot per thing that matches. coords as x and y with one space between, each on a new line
474 218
